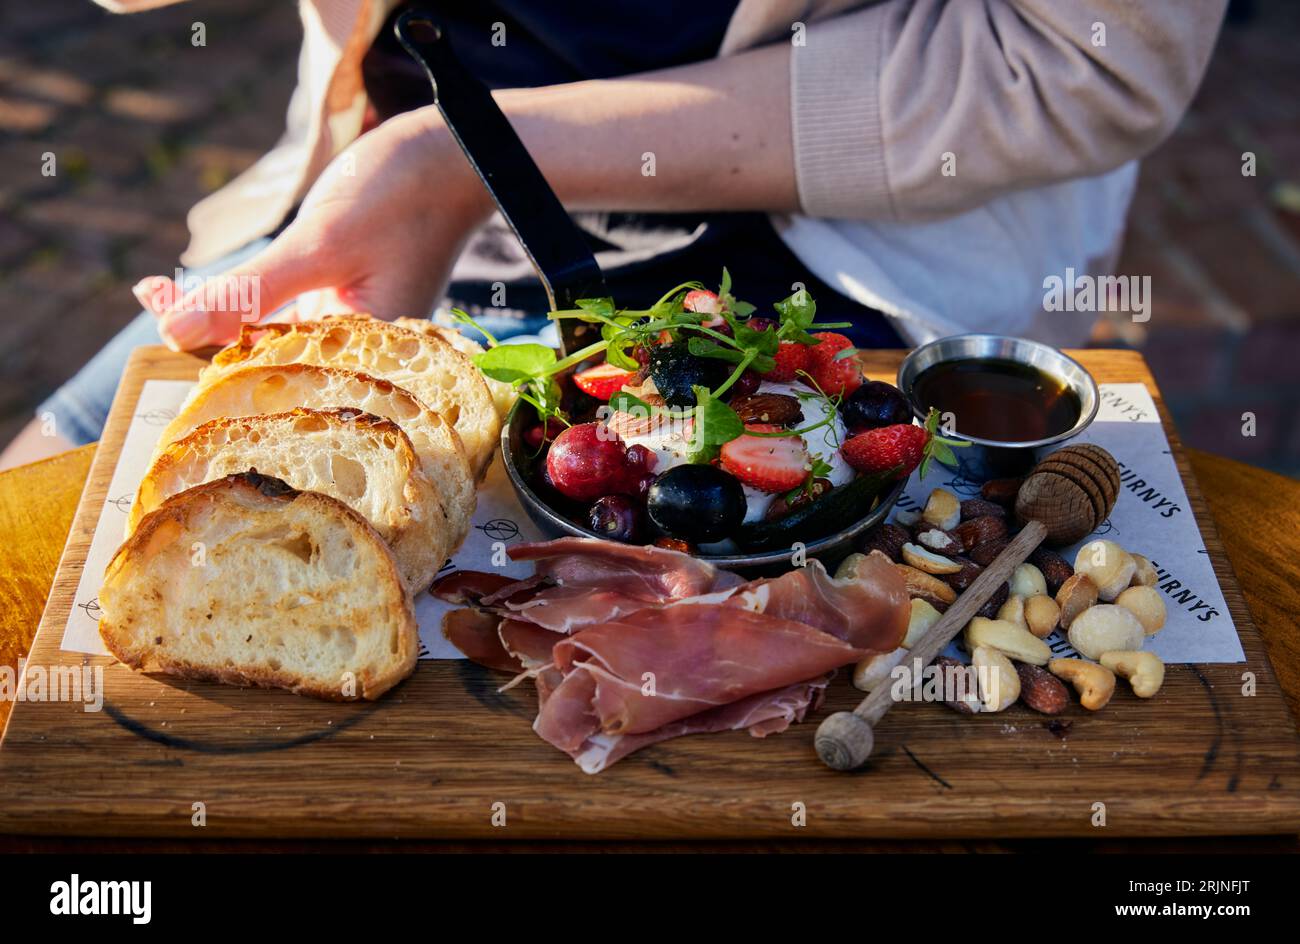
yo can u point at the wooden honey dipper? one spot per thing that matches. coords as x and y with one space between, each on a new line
845 739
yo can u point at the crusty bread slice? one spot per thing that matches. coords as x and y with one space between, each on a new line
244 580
503 395
365 462
425 365
250 391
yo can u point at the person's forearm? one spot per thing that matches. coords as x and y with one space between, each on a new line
713 135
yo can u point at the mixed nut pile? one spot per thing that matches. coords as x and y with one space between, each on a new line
1106 604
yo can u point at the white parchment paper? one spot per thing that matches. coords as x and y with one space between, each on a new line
1151 517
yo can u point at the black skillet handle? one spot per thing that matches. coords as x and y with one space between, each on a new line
553 243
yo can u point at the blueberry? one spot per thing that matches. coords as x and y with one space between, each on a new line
615 517
674 369
873 405
697 503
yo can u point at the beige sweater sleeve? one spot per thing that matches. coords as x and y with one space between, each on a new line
919 109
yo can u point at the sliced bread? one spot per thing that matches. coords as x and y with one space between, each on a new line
246 581
443 378
250 391
503 395
364 461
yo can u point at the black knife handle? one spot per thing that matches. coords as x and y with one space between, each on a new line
554 244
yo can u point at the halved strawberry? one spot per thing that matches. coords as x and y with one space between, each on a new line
703 301
603 380
833 370
767 463
791 357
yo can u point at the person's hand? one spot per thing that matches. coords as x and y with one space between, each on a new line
377 233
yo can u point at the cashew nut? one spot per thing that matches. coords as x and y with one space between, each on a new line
1109 565
1041 615
929 561
1008 638
1028 581
999 684
874 669
1013 611
1105 628
1146 604
918 624
942 509
1094 683
1144 670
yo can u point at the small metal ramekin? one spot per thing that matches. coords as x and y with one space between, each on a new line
990 458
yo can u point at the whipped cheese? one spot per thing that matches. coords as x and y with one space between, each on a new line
669 440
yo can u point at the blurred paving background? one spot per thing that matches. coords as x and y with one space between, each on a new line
144 124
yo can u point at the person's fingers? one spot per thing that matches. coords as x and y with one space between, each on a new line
212 311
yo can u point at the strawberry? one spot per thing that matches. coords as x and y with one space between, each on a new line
603 380
767 463
834 371
903 446
791 357
703 301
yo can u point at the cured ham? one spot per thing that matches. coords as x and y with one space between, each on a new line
663 665
629 646
762 714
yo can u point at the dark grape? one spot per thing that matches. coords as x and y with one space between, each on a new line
697 503
873 405
616 517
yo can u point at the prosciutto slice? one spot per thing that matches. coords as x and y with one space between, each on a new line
660 666
629 646
870 612
763 714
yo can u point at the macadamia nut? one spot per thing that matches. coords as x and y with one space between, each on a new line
1109 565
1145 574
1104 628
1146 604
1028 581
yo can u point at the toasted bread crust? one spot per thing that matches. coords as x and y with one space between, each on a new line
478 423
259 492
457 492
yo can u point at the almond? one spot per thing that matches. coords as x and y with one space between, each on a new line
1055 568
888 539
1001 491
984 554
777 408
967 701
1041 690
964 577
976 531
979 508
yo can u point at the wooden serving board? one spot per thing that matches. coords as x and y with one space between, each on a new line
444 752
